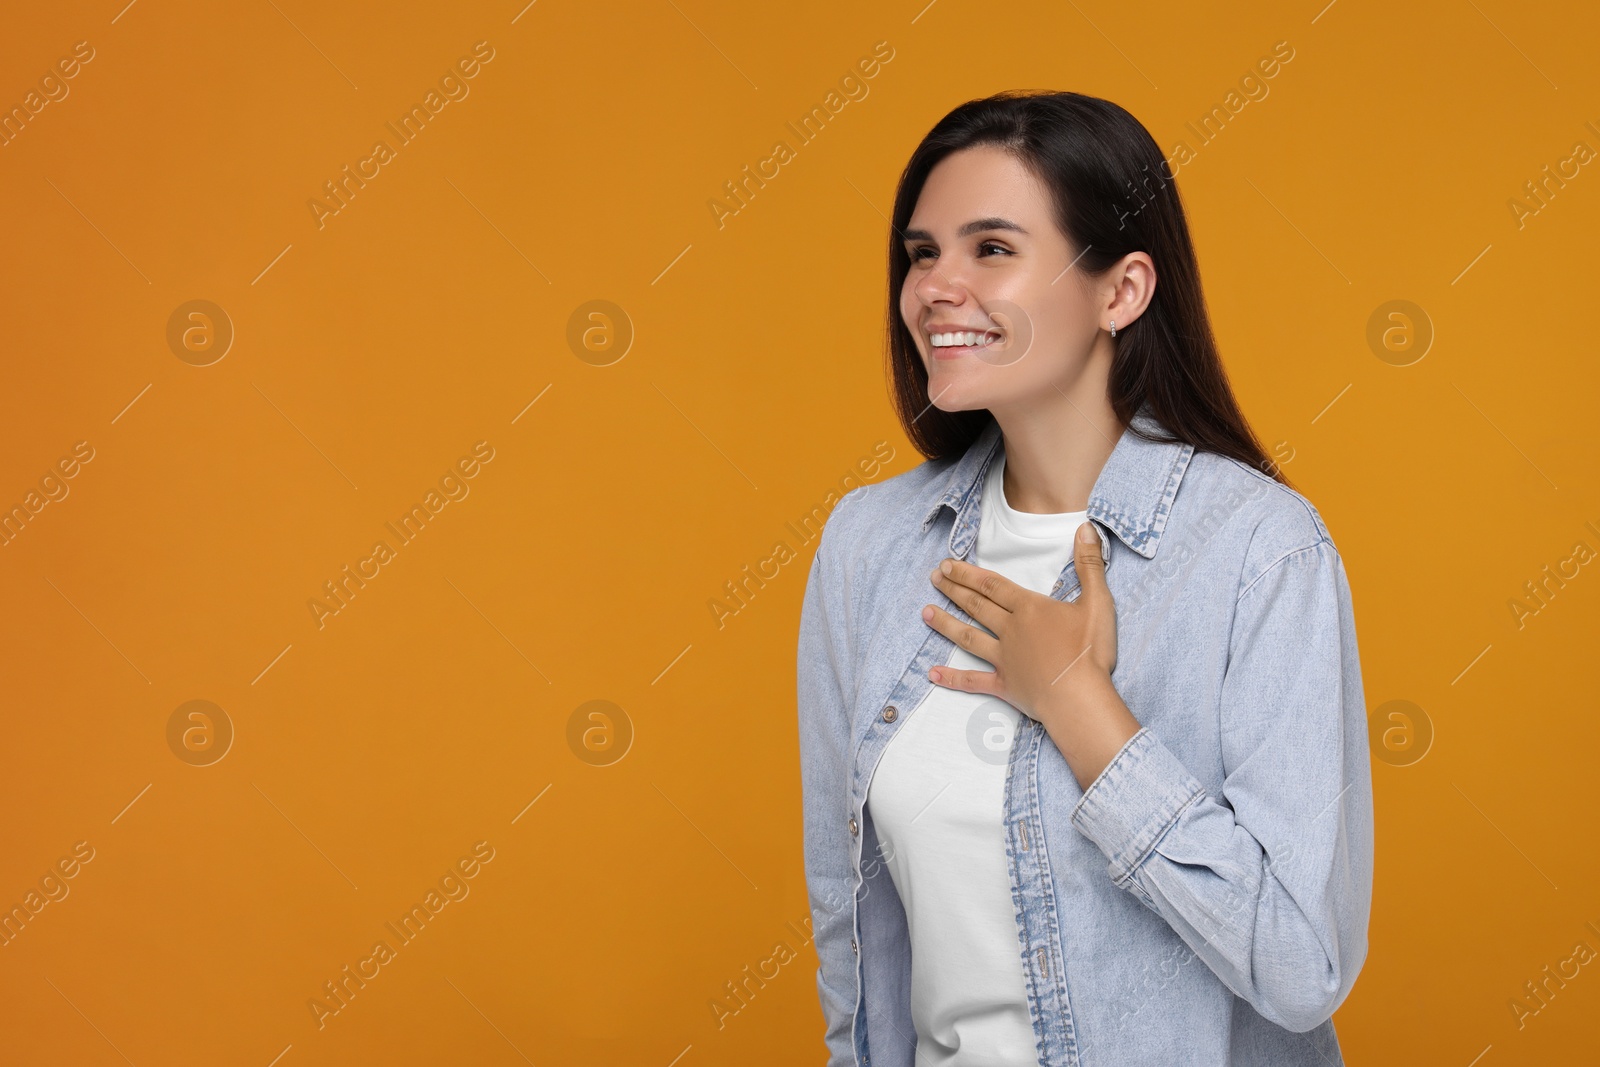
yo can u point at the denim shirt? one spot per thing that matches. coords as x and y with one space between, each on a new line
1205 900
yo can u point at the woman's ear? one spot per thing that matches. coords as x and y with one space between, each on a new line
1133 289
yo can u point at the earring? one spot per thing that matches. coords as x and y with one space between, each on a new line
1113 327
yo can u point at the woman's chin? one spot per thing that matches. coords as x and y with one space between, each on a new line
954 400
956 392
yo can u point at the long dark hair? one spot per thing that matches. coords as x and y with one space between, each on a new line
1113 194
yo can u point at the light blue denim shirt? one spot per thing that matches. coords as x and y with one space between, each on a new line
1206 900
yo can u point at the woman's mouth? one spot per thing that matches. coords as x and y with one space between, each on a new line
956 345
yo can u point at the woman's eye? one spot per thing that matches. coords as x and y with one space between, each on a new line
917 254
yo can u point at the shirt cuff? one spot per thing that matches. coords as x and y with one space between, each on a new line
1134 801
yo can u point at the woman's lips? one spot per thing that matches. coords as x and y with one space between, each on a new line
957 351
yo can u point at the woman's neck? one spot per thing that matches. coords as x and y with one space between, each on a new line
1055 453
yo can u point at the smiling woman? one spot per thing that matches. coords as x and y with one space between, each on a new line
1100 574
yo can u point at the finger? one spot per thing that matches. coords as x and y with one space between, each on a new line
967 637
965 681
1091 565
972 602
992 584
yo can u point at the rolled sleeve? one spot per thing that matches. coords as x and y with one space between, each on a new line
1134 801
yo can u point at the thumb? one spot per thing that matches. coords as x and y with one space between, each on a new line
1091 565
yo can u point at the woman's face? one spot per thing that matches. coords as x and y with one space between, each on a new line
987 258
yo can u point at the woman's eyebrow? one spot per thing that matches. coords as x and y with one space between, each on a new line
975 226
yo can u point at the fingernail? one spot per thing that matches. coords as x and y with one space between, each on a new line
945 567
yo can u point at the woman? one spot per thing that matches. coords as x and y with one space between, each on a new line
1083 739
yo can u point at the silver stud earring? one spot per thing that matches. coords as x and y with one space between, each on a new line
1113 327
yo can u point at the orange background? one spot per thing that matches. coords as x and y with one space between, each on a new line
433 311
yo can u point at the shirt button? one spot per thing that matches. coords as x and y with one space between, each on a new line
853 947
853 826
889 713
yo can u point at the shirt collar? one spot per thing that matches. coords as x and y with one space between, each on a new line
1132 497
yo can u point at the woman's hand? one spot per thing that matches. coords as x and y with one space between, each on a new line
1040 643
1052 658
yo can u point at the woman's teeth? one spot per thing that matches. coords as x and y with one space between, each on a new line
969 339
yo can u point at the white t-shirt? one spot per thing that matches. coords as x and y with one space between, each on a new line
936 799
